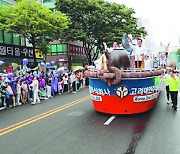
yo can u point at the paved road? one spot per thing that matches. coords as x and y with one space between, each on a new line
73 127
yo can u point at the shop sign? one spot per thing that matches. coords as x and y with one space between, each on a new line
62 59
13 51
74 49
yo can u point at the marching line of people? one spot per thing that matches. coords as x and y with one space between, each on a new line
32 87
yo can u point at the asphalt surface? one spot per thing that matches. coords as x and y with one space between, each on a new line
79 129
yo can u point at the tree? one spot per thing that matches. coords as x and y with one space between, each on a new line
96 21
178 51
33 21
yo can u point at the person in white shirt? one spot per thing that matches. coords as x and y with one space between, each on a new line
115 46
101 63
138 52
147 63
18 93
73 82
35 87
65 81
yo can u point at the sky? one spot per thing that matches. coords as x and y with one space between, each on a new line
163 15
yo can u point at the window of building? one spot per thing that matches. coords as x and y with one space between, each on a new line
16 39
1 36
8 38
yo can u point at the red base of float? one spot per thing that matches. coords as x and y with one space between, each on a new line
130 96
114 105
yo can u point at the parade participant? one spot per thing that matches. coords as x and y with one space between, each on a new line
173 82
138 52
147 62
115 46
18 92
101 62
167 75
35 87
155 62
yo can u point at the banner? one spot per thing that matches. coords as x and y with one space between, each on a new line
14 51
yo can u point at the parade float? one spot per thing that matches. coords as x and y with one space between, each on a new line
119 88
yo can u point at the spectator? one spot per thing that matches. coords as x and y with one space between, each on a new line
18 92
24 88
65 81
35 87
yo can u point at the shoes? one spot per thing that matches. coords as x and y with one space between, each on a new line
10 106
175 109
2 108
33 103
46 98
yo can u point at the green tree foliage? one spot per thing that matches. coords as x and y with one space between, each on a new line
96 21
178 51
33 21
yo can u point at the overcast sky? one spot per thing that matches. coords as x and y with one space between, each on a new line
164 17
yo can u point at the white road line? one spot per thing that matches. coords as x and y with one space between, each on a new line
110 120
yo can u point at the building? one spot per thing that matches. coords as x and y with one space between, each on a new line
14 48
68 54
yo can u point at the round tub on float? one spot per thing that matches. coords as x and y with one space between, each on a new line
130 96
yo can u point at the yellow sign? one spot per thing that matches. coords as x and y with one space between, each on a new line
39 54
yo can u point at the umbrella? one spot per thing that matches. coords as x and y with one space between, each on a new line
62 70
76 68
1 62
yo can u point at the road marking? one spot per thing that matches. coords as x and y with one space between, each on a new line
110 120
40 116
